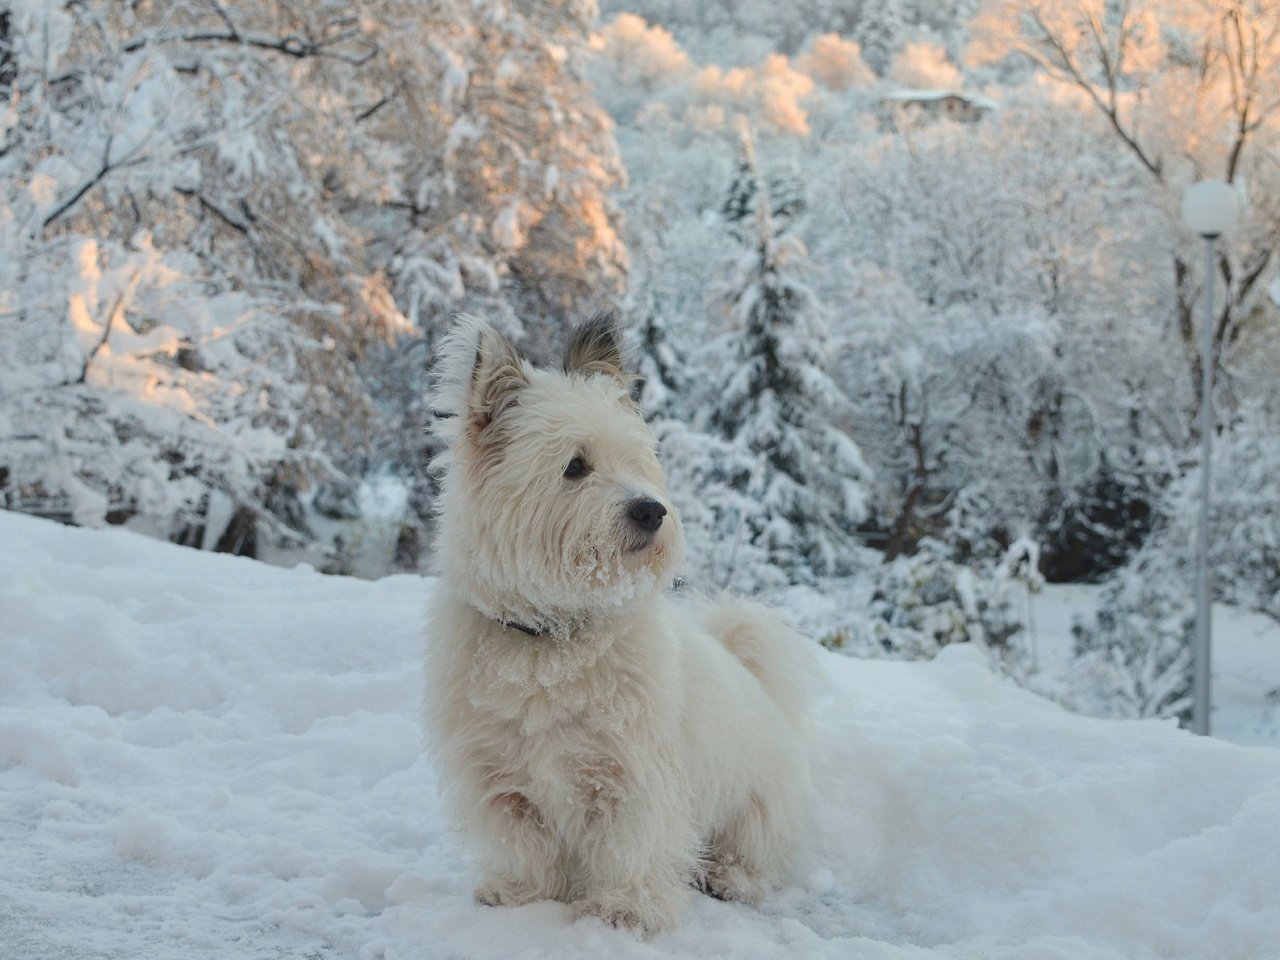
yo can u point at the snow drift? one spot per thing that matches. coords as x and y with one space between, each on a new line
201 756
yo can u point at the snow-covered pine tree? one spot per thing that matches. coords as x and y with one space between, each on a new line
662 379
712 482
660 358
807 477
880 31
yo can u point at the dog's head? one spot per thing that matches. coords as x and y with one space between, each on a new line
553 501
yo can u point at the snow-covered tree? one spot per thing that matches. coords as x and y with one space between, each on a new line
992 316
517 170
836 63
229 234
1133 657
771 94
180 310
880 32
776 400
739 31
1244 529
921 65
1187 91
714 483
634 63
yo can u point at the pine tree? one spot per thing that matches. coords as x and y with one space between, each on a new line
778 404
661 371
880 30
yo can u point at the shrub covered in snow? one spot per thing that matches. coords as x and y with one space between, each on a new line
1134 655
913 606
1244 519
922 603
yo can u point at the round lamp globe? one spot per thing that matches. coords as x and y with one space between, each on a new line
1211 208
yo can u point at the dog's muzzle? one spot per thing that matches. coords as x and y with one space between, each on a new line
646 514
643 520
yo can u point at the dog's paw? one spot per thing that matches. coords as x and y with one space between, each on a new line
623 918
505 893
730 881
640 917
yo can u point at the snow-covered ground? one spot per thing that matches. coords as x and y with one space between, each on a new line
206 757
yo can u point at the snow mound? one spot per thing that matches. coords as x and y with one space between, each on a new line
201 756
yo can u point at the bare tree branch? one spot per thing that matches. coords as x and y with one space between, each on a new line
290 45
1066 63
102 341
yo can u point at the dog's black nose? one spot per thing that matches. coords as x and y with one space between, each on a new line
647 514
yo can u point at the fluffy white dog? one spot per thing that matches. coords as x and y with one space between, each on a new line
602 741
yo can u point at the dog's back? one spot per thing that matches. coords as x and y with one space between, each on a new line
779 658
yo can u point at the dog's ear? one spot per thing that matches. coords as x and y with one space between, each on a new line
477 374
497 376
595 346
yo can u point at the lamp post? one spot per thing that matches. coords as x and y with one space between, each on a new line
1209 208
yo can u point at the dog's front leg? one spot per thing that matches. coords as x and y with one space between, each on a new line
523 860
638 846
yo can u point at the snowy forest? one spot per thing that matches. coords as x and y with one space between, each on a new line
917 318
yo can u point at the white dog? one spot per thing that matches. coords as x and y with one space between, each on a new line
602 741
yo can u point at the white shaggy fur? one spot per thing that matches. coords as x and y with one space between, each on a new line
643 741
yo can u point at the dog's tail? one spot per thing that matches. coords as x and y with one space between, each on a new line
780 658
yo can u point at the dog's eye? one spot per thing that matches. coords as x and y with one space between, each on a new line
576 470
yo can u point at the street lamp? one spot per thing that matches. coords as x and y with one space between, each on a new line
1210 208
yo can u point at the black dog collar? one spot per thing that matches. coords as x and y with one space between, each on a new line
676 584
522 628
